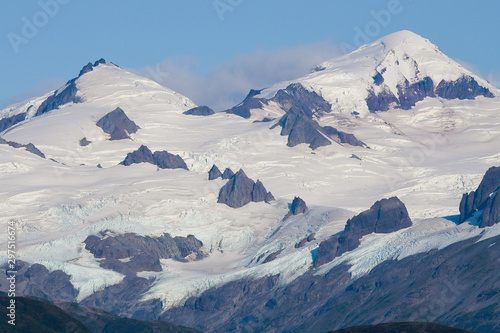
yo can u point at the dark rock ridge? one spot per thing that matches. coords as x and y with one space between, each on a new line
385 216
68 93
272 256
228 173
485 198
465 87
200 111
250 102
144 252
11 121
295 95
65 95
162 159
456 286
300 105
29 147
59 98
141 155
214 173
303 242
117 124
89 67
301 129
84 142
401 327
240 190
33 315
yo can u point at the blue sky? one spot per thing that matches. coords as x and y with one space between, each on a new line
213 51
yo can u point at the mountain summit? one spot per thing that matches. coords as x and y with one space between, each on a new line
395 72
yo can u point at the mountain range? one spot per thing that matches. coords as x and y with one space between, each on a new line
364 192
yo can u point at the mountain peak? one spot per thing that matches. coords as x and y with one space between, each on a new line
89 67
394 72
405 37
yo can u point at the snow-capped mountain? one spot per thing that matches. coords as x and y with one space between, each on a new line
307 192
396 71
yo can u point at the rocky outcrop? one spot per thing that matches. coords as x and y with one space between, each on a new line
306 240
117 124
36 280
491 211
29 147
240 190
214 173
485 199
381 101
465 87
272 256
250 102
259 192
228 173
131 253
89 67
11 121
295 95
84 142
200 111
300 105
141 155
350 139
300 129
385 216
60 97
162 159
298 206
410 94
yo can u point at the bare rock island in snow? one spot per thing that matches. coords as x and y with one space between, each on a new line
162 159
117 124
240 190
200 111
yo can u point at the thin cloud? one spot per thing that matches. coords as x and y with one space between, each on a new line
37 90
227 84
492 77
